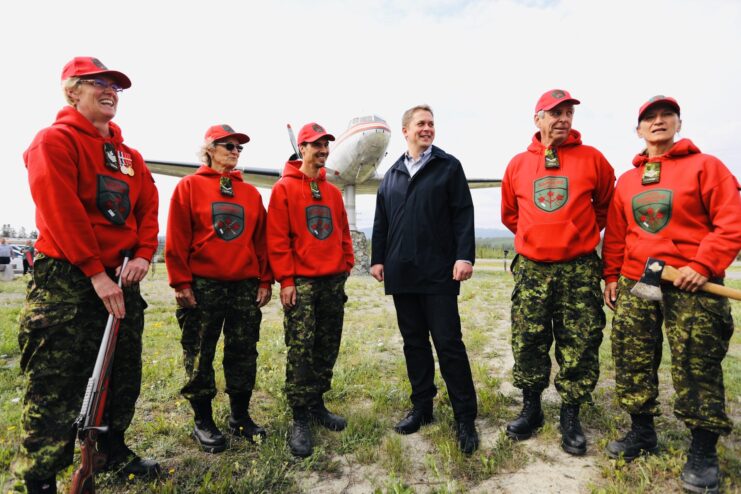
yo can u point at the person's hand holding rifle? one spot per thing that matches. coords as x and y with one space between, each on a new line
90 422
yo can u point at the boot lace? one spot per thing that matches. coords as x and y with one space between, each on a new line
570 418
631 437
529 407
695 461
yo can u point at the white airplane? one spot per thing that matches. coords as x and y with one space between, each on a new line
352 164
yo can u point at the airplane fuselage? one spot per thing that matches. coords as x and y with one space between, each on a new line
356 154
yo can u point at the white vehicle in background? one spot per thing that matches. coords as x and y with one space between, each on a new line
16 260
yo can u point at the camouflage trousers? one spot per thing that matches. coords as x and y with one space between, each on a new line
61 328
699 327
561 301
313 331
230 305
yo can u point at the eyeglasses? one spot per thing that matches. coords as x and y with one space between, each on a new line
230 146
102 84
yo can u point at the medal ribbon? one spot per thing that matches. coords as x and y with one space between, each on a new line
551 158
315 192
651 173
225 186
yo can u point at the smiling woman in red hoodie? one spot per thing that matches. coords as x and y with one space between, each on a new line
217 261
94 197
682 206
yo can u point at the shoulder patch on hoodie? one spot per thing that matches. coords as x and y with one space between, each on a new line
113 199
652 209
319 221
228 220
551 193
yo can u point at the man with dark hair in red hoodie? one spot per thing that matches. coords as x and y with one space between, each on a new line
311 255
555 198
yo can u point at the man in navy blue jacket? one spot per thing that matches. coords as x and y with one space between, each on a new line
423 247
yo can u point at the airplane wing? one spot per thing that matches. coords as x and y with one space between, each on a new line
483 183
370 186
259 177
171 168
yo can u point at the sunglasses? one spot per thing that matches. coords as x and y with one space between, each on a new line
102 84
230 146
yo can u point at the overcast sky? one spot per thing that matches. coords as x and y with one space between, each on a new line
481 65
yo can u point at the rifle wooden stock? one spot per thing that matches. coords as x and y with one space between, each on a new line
90 421
83 480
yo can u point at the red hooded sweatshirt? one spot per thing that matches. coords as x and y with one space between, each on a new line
556 214
86 212
216 236
691 217
306 236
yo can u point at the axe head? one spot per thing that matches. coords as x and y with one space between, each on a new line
649 286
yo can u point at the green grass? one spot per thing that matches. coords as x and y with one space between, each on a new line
370 387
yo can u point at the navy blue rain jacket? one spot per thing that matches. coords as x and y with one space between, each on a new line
423 224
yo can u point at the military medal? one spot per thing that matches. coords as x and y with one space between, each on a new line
126 163
651 173
110 156
551 158
225 185
315 192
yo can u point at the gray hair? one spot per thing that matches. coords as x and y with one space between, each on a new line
203 153
407 117
69 83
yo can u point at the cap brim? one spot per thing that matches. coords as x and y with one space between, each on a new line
241 138
329 137
573 101
667 102
118 77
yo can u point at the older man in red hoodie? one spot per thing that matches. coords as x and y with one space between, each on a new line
311 255
555 198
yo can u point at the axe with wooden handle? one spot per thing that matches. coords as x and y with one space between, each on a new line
656 271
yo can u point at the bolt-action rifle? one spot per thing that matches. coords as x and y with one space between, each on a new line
90 422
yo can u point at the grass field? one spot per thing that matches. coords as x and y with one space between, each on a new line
371 389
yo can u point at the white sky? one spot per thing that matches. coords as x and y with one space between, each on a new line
480 64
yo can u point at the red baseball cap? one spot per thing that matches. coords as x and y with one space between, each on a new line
553 98
311 132
82 66
659 98
222 131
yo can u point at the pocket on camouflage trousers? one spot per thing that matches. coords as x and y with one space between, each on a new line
36 316
720 310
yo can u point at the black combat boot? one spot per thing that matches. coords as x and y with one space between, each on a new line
640 439
325 418
530 418
300 442
205 432
240 422
119 457
701 472
45 486
468 438
415 418
572 436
